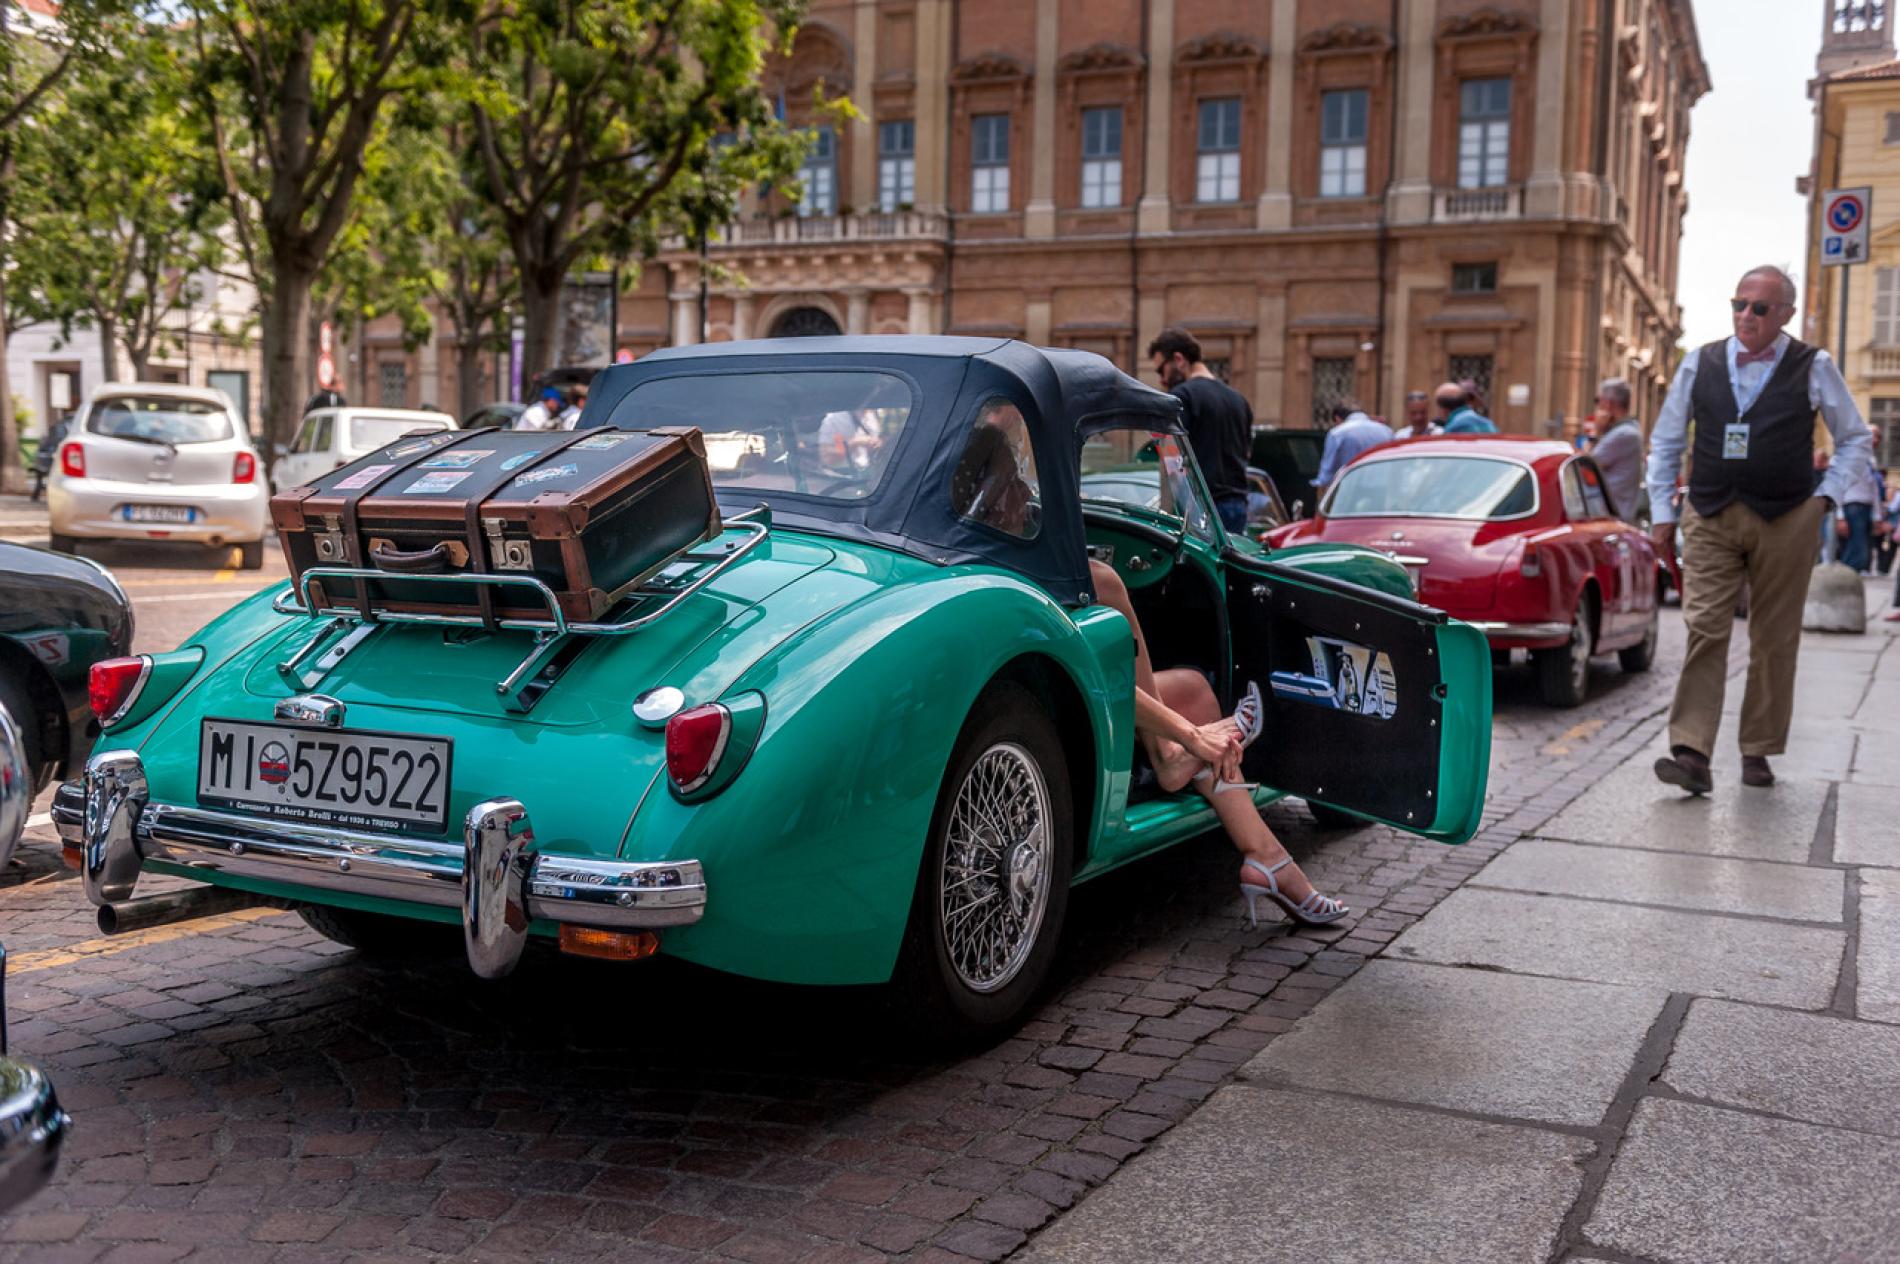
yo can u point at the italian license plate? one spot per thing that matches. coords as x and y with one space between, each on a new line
347 777
173 514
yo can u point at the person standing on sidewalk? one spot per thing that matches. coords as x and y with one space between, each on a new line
1352 433
1859 502
1750 516
1618 449
1218 419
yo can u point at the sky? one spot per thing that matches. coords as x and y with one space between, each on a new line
1748 140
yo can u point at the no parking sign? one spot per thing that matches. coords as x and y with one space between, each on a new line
1844 217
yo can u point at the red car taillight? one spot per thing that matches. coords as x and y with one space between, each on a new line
1530 566
243 468
72 460
114 685
695 740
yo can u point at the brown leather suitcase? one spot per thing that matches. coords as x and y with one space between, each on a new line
592 514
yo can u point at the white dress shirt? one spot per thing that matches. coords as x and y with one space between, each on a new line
1827 392
1357 433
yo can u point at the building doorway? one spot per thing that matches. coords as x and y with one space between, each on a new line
805 322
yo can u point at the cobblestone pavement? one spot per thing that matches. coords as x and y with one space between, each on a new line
244 1090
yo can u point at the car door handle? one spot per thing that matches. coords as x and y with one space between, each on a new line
1138 563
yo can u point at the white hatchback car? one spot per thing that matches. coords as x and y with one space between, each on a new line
153 461
329 438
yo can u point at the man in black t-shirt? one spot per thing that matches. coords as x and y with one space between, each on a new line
1219 421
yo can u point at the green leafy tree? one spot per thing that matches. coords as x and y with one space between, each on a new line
32 62
602 126
123 209
293 91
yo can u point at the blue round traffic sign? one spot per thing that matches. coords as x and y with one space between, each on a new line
1844 213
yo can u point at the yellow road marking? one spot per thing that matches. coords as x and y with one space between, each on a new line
225 575
108 945
1575 733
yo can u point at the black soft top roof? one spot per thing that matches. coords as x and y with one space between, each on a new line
1064 397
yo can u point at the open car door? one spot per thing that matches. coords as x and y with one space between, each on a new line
1375 705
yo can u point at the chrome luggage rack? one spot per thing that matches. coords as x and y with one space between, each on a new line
558 640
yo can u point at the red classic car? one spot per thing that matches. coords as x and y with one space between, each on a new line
1513 535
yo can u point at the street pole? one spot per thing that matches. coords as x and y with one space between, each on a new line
1840 334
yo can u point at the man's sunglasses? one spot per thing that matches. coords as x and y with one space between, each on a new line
1761 309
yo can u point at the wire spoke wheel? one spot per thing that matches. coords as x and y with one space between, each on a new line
993 889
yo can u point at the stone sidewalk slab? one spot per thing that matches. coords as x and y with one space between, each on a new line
1882 700
1877 964
1711 883
1497 1044
1266 1176
1867 822
1631 808
1696 1185
1817 1069
1710 955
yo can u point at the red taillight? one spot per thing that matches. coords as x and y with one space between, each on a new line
114 683
694 742
72 460
243 468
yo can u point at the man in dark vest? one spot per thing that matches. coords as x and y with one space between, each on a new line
1750 515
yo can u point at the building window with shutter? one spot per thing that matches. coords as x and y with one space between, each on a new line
1884 417
989 163
1217 167
1484 133
1472 368
1102 157
1342 143
896 164
1887 307
1474 278
1332 384
1892 134
392 384
819 175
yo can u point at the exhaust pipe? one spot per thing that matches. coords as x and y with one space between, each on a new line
124 916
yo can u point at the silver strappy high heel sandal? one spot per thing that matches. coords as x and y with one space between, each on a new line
1250 717
1314 910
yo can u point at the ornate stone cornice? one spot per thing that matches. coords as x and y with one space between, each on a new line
1346 37
1486 24
1099 59
1219 46
991 67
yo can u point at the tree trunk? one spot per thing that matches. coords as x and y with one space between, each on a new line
140 354
541 314
286 347
108 347
468 369
12 473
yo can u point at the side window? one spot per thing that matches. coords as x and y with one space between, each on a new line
306 436
1596 501
1573 493
995 480
321 441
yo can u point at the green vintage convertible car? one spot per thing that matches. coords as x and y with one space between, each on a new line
874 732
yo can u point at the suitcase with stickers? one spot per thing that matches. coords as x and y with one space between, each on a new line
591 514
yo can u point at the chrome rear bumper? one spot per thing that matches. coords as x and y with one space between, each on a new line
1518 632
496 876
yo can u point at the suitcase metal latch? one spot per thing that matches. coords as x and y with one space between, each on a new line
505 554
329 541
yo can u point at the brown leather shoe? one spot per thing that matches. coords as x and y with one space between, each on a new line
1687 769
1756 772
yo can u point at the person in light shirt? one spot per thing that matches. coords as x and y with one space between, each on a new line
1750 517
1618 449
1352 432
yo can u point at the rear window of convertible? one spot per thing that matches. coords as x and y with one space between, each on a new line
826 433
1474 487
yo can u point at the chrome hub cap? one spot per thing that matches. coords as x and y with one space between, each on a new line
994 888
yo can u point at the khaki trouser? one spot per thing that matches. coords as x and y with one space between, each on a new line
1775 558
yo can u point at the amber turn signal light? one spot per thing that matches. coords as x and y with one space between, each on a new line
73 856
609 945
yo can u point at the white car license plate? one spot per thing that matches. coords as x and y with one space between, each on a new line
159 513
347 777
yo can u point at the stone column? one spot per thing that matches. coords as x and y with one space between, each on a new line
429 388
857 311
685 319
1152 215
1411 198
919 320
1275 208
933 102
1039 216
1544 194
863 188
744 310
1038 320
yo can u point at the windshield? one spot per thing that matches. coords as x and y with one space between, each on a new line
1433 487
1143 470
374 432
827 433
159 420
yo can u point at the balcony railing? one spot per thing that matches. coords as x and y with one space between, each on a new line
1883 362
1465 205
796 230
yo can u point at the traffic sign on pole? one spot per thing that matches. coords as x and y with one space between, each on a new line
1845 214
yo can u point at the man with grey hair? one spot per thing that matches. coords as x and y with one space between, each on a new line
1750 516
1619 450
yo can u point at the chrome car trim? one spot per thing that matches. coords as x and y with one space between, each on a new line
1537 489
32 1128
116 795
316 709
1523 630
69 811
291 670
498 850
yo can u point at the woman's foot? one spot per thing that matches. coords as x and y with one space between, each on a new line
1283 882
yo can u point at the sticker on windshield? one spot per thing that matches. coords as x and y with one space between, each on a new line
597 443
434 484
520 459
460 459
1345 677
362 478
543 476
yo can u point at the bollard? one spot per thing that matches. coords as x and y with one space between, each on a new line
1837 602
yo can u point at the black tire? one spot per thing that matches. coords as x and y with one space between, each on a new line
1008 728
251 555
63 543
18 701
1332 818
379 937
1563 674
1638 657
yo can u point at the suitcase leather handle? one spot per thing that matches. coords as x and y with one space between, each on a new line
430 561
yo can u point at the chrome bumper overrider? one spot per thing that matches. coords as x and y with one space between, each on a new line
496 876
1524 631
